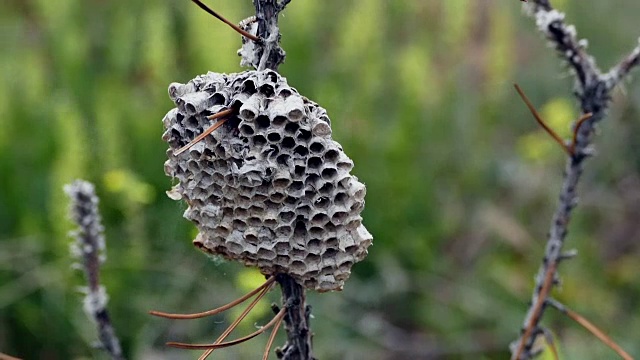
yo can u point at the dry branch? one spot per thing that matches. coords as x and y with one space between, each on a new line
89 249
593 91
269 55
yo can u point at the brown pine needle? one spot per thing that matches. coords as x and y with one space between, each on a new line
276 319
537 310
232 25
234 325
541 122
8 357
579 123
217 310
272 337
597 333
200 137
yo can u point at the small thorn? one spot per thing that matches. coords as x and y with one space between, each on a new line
589 151
541 122
570 254
232 25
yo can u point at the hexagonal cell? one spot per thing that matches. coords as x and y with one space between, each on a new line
277 197
322 202
329 172
319 218
246 128
321 129
274 136
266 254
295 108
218 98
295 189
177 90
193 103
317 146
259 140
249 87
331 155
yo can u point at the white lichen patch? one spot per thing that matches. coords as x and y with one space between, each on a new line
269 188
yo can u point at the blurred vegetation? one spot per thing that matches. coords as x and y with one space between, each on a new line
461 182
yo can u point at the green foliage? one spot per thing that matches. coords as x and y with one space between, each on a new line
461 182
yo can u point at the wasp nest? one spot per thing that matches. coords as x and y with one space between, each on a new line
269 188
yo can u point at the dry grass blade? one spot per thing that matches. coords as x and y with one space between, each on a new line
216 345
234 325
541 122
232 25
272 337
597 333
217 310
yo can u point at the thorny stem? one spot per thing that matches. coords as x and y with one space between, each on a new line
268 54
592 88
298 345
271 55
89 247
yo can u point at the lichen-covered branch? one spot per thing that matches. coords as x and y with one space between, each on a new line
269 55
593 90
298 346
88 248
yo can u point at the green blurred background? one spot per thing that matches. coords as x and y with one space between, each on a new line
461 182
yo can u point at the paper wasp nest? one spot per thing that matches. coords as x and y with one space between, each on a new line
269 188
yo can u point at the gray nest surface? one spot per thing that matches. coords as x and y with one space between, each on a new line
269 188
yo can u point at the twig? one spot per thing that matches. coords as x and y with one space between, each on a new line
269 55
221 18
89 248
591 328
592 89
541 122
298 345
